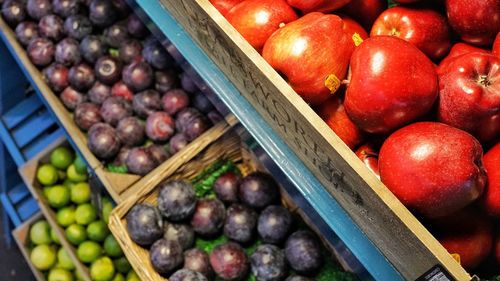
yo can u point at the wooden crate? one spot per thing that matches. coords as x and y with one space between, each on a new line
227 147
115 183
21 236
403 240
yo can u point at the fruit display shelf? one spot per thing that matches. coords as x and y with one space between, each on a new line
399 246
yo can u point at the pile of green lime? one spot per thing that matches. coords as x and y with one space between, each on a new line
65 186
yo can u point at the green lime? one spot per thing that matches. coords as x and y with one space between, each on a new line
112 248
78 276
58 196
122 265
107 207
47 174
80 193
74 176
61 157
118 277
43 257
64 260
89 251
66 216
97 231
102 269
132 276
40 233
80 165
60 274
76 234
54 237
46 190
68 183
85 214
61 175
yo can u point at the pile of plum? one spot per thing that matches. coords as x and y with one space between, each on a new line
246 211
122 86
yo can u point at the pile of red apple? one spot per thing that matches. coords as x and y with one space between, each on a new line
417 98
122 86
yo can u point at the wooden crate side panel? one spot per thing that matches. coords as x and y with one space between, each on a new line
394 230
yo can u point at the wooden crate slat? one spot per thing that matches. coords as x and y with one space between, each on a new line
21 111
27 208
32 128
39 144
10 209
18 192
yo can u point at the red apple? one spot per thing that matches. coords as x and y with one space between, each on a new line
312 53
491 198
224 6
433 168
467 234
425 28
256 20
496 46
365 11
476 21
457 50
333 113
369 155
392 84
325 6
469 95
354 30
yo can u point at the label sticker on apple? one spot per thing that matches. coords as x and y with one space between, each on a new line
357 39
332 82
436 273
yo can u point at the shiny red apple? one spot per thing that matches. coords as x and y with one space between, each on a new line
256 20
392 84
432 168
476 21
365 11
469 95
496 46
312 53
369 155
491 198
355 30
333 113
224 6
457 50
324 6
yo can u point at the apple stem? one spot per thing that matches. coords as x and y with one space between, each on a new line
345 82
484 81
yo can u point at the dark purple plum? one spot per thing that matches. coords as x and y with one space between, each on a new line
138 76
81 77
229 261
130 51
51 27
165 80
66 8
240 223
174 101
198 260
114 109
108 70
159 153
258 190
215 117
14 12
41 51
103 141
68 52
77 26
144 224
177 142
131 131
195 127
226 187
146 103
181 233
26 31
156 55
116 34
121 158
99 93
136 28
71 98
56 76
102 13
187 275
303 252
176 200
121 90
86 115
298 278
92 48
202 103
188 84
159 126
268 263
166 256
37 9
140 161
208 217
184 117
274 224
121 7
